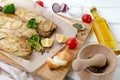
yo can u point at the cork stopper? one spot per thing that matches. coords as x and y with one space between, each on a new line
93 8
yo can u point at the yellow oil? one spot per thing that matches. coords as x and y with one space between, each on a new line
102 31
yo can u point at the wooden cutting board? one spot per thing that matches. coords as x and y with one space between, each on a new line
58 74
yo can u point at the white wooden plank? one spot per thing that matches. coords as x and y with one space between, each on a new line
87 3
112 15
110 10
115 29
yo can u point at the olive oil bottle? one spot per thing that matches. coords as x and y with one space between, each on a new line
102 31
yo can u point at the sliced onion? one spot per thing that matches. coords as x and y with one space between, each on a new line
56 7
64 7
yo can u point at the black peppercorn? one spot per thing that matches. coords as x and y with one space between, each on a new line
97 69
1 8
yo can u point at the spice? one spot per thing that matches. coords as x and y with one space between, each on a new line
75 10
78 26
43 51
97 69
1 8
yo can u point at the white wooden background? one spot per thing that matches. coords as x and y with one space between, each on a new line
109 9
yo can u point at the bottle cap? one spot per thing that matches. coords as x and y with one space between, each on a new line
93 8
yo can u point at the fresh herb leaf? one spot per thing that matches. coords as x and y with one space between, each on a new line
78 26
34 42
31 23
9 9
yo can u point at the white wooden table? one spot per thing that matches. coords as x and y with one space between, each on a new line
109 9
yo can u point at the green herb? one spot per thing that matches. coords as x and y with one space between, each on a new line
78 26
34 42
31 23
9 9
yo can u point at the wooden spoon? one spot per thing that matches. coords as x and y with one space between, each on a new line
97 60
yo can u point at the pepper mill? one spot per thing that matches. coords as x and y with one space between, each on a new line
95 55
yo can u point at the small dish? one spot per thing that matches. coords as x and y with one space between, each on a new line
75 10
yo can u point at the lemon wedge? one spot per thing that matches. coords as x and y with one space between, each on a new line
47 42
61 38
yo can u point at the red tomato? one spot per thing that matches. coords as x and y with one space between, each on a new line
40 3
86 18
71 43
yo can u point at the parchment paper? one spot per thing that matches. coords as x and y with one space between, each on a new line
63 26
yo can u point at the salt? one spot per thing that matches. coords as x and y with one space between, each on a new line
75 10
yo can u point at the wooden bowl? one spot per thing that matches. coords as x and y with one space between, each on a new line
91 50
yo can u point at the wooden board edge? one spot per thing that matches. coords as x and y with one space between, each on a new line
10 61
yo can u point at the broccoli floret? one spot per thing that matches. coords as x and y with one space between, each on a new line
31 23
9 9
34 42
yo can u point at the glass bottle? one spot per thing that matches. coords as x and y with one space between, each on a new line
102 31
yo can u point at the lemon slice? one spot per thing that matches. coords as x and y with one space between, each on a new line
47 42
61 38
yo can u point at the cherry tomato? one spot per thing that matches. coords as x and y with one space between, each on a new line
71 43
40 3
86 18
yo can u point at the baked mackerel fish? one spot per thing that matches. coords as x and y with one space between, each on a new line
18 21
47 22
16 29
14 43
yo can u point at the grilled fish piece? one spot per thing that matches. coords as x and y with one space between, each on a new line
14 32
14 43
13 22
45 26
